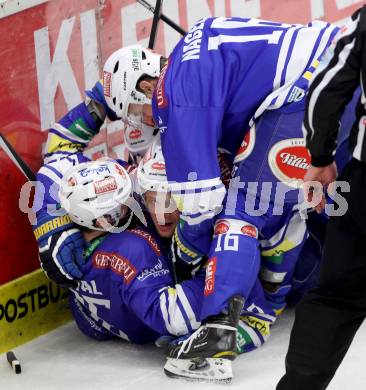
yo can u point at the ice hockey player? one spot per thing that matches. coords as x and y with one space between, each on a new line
225 76
75 129
260 309
257 316
70 135
127 288
151 176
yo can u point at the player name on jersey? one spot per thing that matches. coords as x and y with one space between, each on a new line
191 51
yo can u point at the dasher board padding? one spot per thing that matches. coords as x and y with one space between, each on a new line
29 307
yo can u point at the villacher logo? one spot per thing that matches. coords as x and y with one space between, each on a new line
289 160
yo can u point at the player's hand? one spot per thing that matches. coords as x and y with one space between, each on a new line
180 252
61 256
315 180
185 266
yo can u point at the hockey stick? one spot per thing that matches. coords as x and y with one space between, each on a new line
17 160
164 18
155 23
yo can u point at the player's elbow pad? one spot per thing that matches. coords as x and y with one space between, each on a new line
199 200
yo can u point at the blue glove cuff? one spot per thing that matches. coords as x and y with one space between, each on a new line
51 226
187 252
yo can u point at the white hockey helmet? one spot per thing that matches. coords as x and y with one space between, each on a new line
121 72
151 173
139 139
95 189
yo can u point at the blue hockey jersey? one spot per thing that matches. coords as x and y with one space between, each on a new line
219 79
129 291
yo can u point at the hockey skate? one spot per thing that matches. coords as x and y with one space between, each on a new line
207 354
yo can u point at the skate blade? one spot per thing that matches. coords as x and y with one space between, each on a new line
206 370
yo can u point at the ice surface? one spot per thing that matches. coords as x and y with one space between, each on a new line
66 360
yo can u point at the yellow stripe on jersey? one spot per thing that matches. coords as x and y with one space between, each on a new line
308 75
172 291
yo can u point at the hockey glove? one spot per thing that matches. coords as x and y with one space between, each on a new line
185 262
61 247
179 250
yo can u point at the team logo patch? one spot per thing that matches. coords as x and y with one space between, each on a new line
106 185
249 230
289 160
107 78
221 227
210 276
117 263
246 146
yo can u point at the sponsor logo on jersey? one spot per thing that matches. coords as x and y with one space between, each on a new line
161 98
191 49
210 276
116 263
106 185
107 77
246 146
249 230
148 237
221 227
135 134
154 272
289 161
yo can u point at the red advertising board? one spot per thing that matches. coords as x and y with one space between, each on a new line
50 53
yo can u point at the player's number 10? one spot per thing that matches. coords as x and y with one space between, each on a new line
223 23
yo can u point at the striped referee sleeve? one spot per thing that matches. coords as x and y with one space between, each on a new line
332 88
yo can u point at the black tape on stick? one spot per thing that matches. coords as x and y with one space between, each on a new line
14 362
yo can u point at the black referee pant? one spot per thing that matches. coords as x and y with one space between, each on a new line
328 317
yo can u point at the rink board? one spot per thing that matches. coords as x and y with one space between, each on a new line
29 307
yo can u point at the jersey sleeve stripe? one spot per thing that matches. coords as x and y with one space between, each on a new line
50 174
187 307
